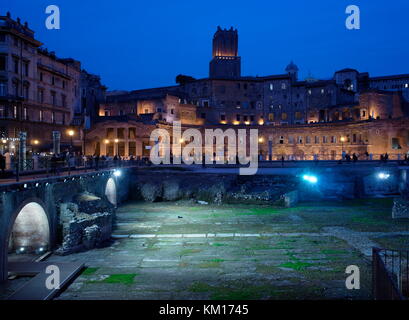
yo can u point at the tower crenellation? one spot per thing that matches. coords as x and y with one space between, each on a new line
225 63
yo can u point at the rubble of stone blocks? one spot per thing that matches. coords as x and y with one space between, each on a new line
85 225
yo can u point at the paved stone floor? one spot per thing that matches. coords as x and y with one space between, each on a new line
184 250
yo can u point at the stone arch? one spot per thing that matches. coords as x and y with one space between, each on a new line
29 229
111 191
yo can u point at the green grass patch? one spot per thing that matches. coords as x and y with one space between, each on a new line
214 263
261 212
217 244
89 271
186 252
298 266
200 287
121 278
332 251
367 220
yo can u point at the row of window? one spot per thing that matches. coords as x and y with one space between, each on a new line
284 116
324 139
26 71
13 113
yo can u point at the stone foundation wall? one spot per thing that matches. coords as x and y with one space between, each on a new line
211 188
84 225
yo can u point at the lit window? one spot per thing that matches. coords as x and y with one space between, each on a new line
407 85
309 92
271 87
283 86
284 116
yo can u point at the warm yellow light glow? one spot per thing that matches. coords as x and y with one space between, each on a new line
4 141
36 142
71 133
261 122
222 122
106 141
116 140
343 139
181 140
236 123
247 122
261 139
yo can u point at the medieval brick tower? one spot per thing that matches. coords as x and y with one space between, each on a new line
226 62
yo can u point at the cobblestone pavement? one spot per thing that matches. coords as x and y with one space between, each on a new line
185 250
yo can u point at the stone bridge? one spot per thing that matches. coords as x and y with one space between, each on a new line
29 211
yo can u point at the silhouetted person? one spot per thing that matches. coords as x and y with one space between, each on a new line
97 162
282 161
348 157
2 164
367 155
386 157
354 157
54 160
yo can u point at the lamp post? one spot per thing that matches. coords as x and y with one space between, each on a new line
71 134
342 147
106 142
116 146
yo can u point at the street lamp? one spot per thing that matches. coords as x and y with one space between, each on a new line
116 146
71 134
343 139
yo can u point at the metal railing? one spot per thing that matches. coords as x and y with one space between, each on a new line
56 166
390 274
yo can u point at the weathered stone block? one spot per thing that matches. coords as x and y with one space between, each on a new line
151 191
400 208
171 190
291 199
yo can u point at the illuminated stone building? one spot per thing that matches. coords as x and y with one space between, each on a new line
299 119
40 93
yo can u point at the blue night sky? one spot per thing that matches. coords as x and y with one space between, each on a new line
137 44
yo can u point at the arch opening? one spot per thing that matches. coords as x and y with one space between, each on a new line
31 231
110 191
